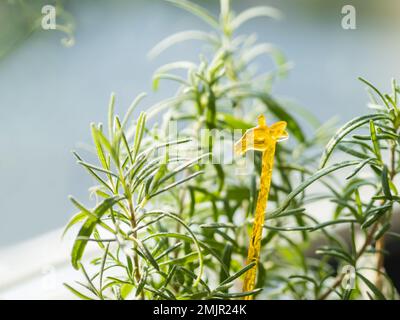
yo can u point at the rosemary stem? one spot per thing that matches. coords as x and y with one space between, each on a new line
134 234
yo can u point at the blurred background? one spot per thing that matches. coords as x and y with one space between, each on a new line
49 93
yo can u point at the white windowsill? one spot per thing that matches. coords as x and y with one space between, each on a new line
37 268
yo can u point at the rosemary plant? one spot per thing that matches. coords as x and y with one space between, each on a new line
171 224
367 198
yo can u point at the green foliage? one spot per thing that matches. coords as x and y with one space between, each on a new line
168 226
23 17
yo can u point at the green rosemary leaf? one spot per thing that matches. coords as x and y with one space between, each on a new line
102 141
94 174
375 142
76 292
385 183
178 38
255 12
74 220
93 167
126 289
378 294
175 184
237 274
335 252
353 152
345 130
316 176
374 214
99 147
226 258
168 76
197 11
87 229
131 108
233 122
237 294
111 107
140 126
369 84
103 264
359 167
382 230
142 283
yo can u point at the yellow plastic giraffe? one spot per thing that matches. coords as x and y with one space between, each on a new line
261 138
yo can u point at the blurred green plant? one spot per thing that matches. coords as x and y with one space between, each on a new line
20 18
176 227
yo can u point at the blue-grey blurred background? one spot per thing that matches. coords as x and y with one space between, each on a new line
49 93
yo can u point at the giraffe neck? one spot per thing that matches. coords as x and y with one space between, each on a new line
265 179
255 239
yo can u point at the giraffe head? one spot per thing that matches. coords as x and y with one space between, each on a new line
260 137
